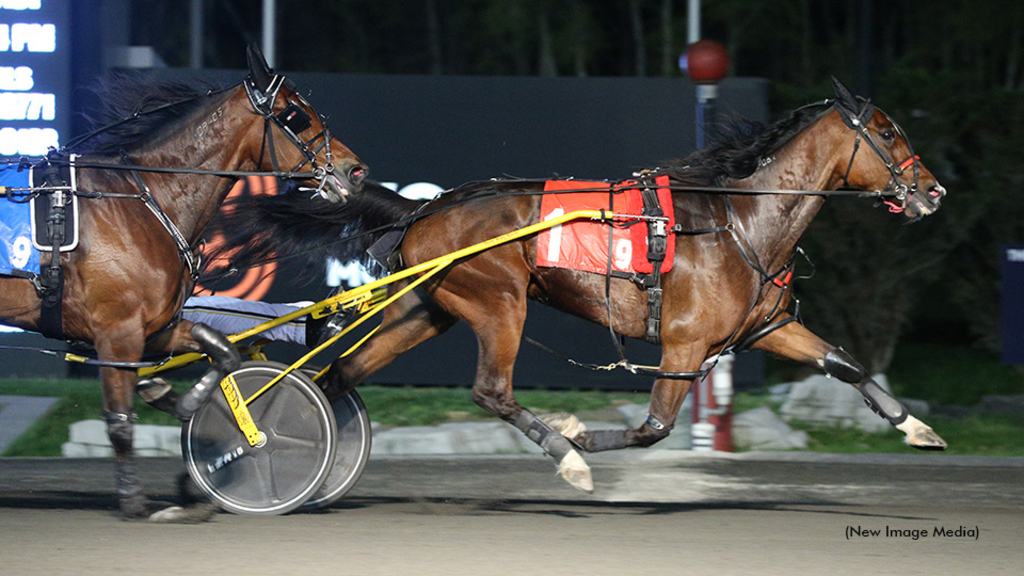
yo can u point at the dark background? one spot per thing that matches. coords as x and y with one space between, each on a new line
951 73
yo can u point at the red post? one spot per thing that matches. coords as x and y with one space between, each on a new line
712 409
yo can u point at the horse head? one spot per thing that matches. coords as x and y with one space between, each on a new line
882 159
336 170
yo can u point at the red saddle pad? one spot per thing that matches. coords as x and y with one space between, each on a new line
583 244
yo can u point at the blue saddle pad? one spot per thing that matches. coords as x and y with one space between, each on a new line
16 250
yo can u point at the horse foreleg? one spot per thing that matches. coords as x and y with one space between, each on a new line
800 344
667 397
118 404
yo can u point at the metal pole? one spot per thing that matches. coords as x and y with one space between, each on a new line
269 34
693 21
195 59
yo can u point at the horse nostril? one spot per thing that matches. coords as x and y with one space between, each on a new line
936 192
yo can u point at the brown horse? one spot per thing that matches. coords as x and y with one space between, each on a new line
729 284
124 285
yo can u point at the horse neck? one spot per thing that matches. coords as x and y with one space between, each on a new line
216 137
810 161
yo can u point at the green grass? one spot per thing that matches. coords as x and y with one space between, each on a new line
390 406
976 436
937 373
951 375
79 400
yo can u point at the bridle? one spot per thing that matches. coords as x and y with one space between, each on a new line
895 187
292 121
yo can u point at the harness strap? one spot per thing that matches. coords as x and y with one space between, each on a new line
657 246
51 282
188 257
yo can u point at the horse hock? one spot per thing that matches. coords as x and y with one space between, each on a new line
840 364
571 466
225 359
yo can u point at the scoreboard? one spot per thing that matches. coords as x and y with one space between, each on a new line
35 74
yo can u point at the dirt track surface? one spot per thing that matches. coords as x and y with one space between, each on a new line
652 513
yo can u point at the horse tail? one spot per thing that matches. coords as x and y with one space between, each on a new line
292 225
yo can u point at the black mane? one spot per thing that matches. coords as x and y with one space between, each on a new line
737 146
123 95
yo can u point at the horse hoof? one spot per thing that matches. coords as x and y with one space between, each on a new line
926 439
184 515
574 470
566 424
920 435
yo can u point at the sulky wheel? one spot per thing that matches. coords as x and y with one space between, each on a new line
287 468
353 449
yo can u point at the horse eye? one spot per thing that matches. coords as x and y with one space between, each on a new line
888 135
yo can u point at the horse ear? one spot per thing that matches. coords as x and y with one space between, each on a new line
259 70
844 97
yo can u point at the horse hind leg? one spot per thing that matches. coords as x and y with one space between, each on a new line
800 344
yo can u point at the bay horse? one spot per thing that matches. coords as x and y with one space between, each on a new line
754 194
148 185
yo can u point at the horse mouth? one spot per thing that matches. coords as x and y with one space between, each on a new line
334 191
925 203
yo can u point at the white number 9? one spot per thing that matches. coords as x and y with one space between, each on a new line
21 251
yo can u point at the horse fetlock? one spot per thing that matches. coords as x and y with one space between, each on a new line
920 435
119 430
574 470
566 424
651 432
543 435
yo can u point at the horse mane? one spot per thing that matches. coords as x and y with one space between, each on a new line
737 146
123 95
291 224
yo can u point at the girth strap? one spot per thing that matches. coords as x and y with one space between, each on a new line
657 246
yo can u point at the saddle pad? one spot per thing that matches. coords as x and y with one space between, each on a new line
16 251
40 206
583 244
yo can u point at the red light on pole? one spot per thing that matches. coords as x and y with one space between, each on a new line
707 61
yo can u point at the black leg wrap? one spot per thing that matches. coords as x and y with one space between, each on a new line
129 489
840 364
225 360
882 403
601 440
542 434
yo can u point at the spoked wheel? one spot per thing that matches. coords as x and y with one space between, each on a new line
353 449
287 468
